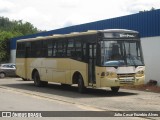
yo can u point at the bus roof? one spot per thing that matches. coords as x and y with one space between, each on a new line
118 30
76 34
59 36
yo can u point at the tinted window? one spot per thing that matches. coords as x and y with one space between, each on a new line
35 50
70 47
20 50
49 48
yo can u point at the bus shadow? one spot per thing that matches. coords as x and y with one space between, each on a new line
66 91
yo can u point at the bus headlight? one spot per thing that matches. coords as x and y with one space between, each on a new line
112 75
107 73
140 73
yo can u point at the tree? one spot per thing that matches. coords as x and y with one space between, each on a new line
147 10
4 44
25 28
10 29
19 26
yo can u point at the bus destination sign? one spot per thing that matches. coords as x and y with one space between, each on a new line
120 35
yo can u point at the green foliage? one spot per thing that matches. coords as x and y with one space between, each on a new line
4 38
10 29
147 10
17 26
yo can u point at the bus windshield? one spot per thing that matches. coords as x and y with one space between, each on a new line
121 53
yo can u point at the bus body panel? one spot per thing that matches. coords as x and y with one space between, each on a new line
62 71
110 76
20 67
58 70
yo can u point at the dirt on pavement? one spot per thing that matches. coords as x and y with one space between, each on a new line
145 87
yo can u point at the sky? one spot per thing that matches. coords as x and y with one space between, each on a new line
55 14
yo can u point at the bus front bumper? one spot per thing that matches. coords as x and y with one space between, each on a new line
110 82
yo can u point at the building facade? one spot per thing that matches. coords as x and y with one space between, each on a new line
146 23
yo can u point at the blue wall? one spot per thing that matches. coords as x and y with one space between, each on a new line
147 23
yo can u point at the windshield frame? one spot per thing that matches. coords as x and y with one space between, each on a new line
123 40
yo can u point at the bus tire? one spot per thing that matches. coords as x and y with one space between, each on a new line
44 83
37 81
65 85
115 89
81 87
24 79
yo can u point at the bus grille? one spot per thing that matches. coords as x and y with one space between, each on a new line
126 78
126 82
125 75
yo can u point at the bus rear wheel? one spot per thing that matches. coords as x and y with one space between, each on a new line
115 89
81 87
37 81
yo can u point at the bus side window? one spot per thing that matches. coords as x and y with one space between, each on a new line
27 49
44 49
70 48
61 49
38 48
20 49
84 55
34 49
50 48
78 53
54 48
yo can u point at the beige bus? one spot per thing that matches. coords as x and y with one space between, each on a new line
96 58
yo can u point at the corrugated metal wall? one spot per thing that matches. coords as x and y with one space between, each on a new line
147 23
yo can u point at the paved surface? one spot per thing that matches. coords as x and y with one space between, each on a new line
19 95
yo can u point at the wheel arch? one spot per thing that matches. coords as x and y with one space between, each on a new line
75 77
33 72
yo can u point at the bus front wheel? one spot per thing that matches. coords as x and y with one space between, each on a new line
81 87
37 81
115 89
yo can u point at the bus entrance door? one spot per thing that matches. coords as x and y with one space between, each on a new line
91 62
